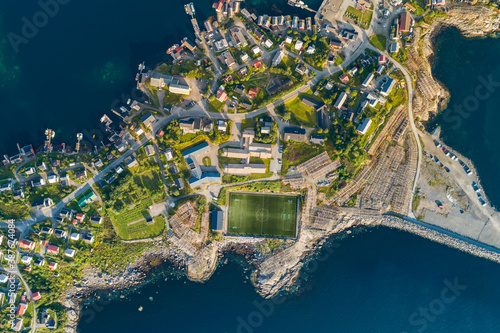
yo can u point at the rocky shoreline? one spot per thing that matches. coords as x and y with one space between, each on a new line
472 22
276 272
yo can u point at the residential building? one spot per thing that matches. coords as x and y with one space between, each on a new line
336 44
159 80
368 80
301 69
18 194
169 154
252 92
149 149
340 100
382 59
75 236
52 179
364 126
229 60
243 169
221 95
131 162
244 57
179 183
53 250
294 134
52 266
317 139
38 182
26 244
42 203
311 49
70 253
268 43
96 219
288 39
148 120
298 45
349 35
255 50
380 70
36 296
81 174
3 278
387 87
278 57
26 260
394 47
344 78
180 89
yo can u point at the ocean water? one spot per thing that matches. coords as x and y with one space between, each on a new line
380 280
63 66
469 68
66 71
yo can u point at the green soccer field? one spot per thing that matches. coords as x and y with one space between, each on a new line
262 215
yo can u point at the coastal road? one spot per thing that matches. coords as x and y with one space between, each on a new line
413 128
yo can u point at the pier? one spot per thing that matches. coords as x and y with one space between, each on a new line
300 4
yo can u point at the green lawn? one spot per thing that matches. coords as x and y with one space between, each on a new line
367 19
353 14
262 214
214 105
143 230
303 114
379 41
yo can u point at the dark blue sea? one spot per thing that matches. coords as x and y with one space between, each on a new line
470 69
69 70
380 280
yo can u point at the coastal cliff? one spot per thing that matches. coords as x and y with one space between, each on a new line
472 22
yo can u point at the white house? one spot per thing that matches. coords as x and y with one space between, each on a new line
69 253
75 236
299 44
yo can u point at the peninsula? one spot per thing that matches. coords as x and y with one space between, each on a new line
263 136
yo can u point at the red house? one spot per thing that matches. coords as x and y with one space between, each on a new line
344 78
51 249
27 244
257 64
36 296
253 92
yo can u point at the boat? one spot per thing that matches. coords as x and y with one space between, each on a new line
192 7
137 77
186 8
172 48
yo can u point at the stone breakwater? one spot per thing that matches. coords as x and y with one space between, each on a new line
272 273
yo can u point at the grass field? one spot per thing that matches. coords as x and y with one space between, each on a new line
303 114
262 214
379 41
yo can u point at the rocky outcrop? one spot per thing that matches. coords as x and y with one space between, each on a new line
472 21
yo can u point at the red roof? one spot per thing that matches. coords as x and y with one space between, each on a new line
257 64
221 95
344 78
382 59
36 296
26 244
52 249
253 92
52 265
404 22
80 216
21 309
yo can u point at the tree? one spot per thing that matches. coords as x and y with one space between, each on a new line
287 116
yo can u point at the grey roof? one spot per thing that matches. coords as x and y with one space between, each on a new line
217 219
